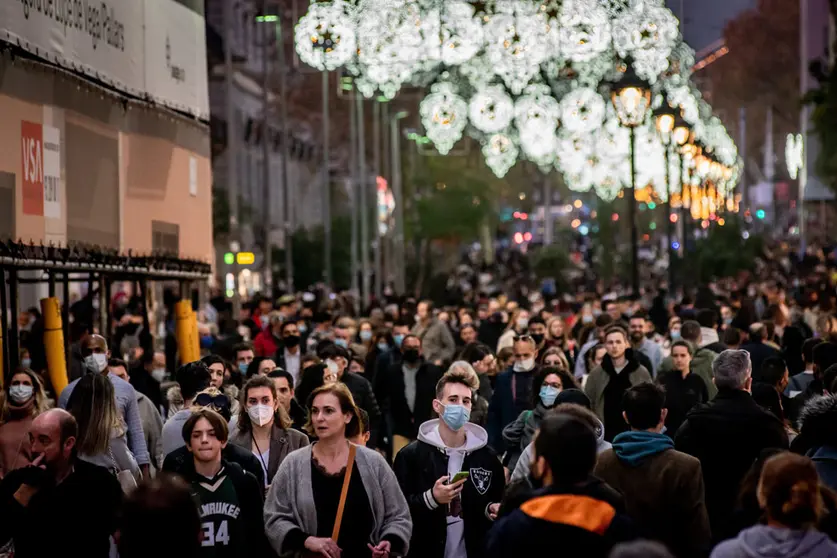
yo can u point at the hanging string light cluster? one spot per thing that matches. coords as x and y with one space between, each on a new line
528 78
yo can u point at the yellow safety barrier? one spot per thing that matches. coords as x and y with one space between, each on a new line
183 331
54 343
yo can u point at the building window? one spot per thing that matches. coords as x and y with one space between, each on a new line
165 237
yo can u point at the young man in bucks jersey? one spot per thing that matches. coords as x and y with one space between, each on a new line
230 499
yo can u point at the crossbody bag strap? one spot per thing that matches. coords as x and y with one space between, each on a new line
345 492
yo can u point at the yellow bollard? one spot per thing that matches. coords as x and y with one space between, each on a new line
54 343
183 330
196 339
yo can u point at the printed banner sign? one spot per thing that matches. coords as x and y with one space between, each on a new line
146 48
41 169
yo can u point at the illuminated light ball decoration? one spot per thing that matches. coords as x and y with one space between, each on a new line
325 36
526 78
444 115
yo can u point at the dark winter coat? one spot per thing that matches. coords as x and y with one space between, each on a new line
507 403
393 400
420 464
727 435
605 399
818 436
663 494
574 521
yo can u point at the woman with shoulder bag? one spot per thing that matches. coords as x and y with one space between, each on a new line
333 498
101 432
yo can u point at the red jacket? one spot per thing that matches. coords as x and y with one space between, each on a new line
265 343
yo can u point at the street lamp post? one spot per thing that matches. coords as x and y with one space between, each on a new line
398 193
664 118
631 97
680 135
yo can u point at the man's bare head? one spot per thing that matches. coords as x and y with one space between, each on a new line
93 344
53 437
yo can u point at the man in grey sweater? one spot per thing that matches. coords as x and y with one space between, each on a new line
95 351
193 378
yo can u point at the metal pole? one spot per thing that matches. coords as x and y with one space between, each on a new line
353 195
669 224
684 214
547 211
632 219
398 194
803 121
389 250
285 160
232 147
267 269
363 185
65 316
14 345
4 326
326 186
742 151
376 154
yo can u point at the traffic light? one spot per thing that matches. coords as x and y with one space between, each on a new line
760 214
229 258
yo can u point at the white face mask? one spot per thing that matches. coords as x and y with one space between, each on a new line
20 393
159 374
96 362
524 365
260 414
332 366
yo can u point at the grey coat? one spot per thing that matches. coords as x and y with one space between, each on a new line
290 501
437 343
521 432
282 443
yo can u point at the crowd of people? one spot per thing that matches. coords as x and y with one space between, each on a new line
598 424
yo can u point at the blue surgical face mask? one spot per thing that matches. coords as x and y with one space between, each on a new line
456 416
26 363
548 394
398 339
675 335
365 335
341 343
383 346
242 367
302 327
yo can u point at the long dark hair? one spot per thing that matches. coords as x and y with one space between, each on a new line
280 416
567 381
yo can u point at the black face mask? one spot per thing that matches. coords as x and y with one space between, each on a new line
537 338
291 340
411 356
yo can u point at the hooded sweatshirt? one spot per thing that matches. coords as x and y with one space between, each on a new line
475 438
521 470
763 541
633 447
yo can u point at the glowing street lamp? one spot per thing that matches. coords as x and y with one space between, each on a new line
631 97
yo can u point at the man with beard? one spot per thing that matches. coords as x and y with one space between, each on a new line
72 501
644 347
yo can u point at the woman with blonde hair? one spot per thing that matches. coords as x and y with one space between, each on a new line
101 432
264 427
22 400
557 337
333 497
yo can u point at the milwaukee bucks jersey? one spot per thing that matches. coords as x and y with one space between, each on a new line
220 513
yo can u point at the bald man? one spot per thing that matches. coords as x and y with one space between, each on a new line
95 351
59 505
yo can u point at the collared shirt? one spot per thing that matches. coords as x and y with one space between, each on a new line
410 385
292 363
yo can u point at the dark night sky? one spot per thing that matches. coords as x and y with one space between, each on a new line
705 19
